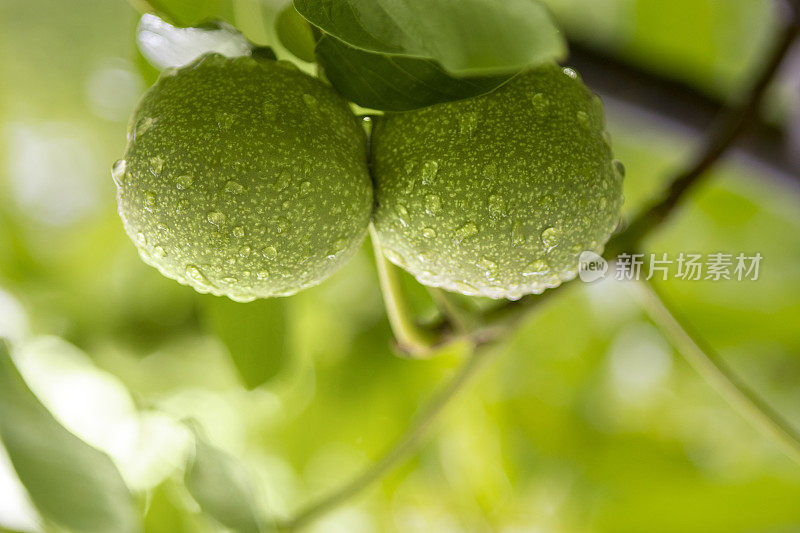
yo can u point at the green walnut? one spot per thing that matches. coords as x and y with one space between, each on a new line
498 195
245 178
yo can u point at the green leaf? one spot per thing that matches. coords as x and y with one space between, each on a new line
467 37
254 333
71 483
295 34
220 484
394 83
188 12
168 513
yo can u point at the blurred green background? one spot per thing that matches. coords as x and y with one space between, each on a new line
588 421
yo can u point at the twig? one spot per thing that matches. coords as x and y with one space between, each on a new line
411 338
710 366
457 318
404 445
730 125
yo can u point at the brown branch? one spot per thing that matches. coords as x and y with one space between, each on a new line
730 125
707 362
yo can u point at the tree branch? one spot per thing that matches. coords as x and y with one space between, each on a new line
402 447
729 126
411 338
498 322
710 366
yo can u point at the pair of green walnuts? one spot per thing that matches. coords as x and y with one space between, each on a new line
248 178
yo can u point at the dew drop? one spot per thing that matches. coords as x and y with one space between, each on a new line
143 126
429 171
262 274
159 252
395 258
196 275
234 187
224 120
486 264
424 257
517 234
433 204
141 239
230 280
550 237
311 102
545 201
467 230
269 252
402 215
540 102
238 232
496 205
184 182
429 233
467 123
606 138
216 218
597 108
490 171
150 201
118 172
570 73
284 178
245 251
619 168
536 268
583 119
156 165
465 288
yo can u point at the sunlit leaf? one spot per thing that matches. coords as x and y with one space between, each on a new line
467 37
71 483
295 33
188 12
394 83
167 512
254 334
165 45
220 484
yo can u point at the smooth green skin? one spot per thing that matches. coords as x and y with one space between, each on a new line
244 178
497 195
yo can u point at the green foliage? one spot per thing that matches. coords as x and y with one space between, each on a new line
468 37
220 484
189 12
393 82
396 57
71 483
255 334
585 417
295 33
497 195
